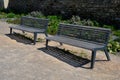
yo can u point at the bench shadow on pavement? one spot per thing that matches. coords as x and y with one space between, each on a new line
20 38
66 56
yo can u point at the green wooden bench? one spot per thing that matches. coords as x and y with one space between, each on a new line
91 38
32 25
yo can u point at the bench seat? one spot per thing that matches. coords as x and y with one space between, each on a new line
77 43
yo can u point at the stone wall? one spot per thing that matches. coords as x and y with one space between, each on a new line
1 4
97 9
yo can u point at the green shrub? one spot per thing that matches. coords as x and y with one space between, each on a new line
53 24
77 20
96 24
117 33
36 14
2 15
11 15
109 26
114 47
87 23
14 21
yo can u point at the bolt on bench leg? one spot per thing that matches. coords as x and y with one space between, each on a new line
93 59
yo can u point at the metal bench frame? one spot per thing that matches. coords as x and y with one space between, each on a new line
91 38
32 25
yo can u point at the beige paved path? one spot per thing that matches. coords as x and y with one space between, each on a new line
21 61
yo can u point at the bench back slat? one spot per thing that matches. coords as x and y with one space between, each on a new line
34 22
86 33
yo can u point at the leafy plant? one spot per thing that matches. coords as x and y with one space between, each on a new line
87 23
114 47
14 21
109 26
96 23
10 15
36 14
2 15
53 24
117 33
77 20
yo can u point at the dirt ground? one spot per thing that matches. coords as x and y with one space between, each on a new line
20 60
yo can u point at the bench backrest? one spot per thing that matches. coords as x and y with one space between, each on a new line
34 22
86 33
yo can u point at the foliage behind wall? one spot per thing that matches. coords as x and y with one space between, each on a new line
101 10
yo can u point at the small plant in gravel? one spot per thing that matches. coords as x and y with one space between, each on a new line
80 54
76 55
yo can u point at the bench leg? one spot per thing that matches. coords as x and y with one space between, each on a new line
107 55
23 32
47 43
46 35
35 38
93 59
10 30
61 43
